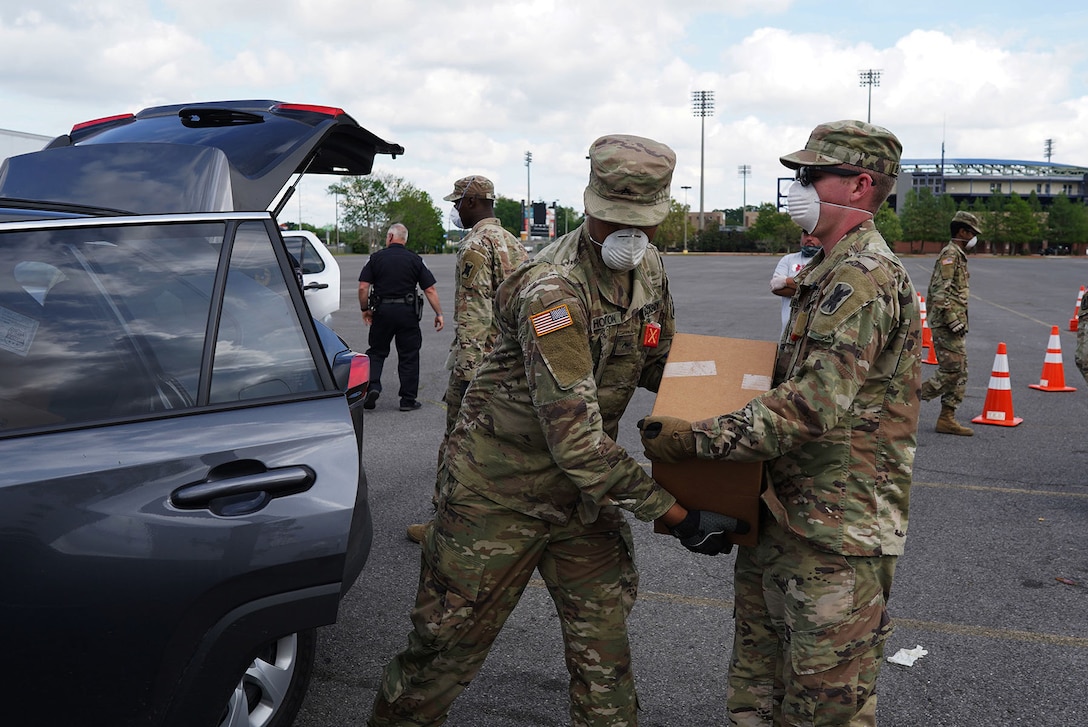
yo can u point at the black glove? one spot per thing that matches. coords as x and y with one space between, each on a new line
706 532
667 439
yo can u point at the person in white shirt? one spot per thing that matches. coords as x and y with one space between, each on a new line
782 281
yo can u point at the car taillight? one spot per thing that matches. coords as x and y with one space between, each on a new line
358 375
102 121
326 110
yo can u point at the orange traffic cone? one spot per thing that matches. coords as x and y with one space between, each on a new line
929 356
1076 311
1053 376
998 406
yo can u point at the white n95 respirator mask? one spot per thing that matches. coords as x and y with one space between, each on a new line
623 249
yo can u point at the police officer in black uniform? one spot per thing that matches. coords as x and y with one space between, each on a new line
392 308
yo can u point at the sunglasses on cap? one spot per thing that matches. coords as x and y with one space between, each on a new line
464 193
808 175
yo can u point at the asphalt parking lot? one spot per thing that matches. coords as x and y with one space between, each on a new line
993 585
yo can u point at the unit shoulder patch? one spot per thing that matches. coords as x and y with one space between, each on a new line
851 290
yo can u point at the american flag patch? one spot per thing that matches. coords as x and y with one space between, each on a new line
551 320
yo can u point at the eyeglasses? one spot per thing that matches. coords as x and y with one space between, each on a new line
808 175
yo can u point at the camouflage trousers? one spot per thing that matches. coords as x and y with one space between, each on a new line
809 634
950 381
477 560
455 393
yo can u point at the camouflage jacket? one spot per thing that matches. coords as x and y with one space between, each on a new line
484 258
946 300
1081 356
839 427
539 421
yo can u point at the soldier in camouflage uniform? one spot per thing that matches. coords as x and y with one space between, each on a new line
1081 357
486 255
947 316
838 433
535 478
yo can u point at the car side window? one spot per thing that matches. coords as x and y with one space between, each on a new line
303 250
260 350
101 323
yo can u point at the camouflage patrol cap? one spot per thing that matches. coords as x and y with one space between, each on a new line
629 178
968 219
849 142
471 186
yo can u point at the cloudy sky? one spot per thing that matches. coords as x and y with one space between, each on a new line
471 87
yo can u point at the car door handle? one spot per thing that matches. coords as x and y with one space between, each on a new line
272 483
316 286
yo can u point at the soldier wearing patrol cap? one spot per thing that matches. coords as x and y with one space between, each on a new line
534 477
946 310
486 255
838 433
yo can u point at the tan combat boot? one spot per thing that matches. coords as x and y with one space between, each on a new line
947 424
418 531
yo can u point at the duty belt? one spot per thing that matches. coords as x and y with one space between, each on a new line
409 299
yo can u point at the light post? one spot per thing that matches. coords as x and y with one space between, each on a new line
528 192
337 194
685 187
745 170
702 105
869 78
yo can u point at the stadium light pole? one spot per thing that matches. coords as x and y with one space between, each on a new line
702 105
870 78
685 187
528 193
745 170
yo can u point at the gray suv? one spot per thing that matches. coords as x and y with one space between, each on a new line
183 499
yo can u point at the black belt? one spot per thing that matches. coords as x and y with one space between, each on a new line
409 299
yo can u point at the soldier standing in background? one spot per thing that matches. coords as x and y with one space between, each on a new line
946 305
392 310
486 255
782 281
534 477
1081 356
838 433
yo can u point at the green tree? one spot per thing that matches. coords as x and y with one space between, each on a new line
670 233
566 219
1067 223
511 215
1021 225
363 201
369 204
774 230
887 224
415 210
926 216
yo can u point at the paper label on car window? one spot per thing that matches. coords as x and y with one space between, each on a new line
16 331
691 368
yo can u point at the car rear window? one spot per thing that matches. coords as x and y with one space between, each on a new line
114 322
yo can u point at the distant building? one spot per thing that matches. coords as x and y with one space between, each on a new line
13 143
970 180
712 219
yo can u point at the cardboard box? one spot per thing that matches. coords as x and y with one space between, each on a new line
706 376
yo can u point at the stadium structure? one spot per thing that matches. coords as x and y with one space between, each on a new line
968 180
